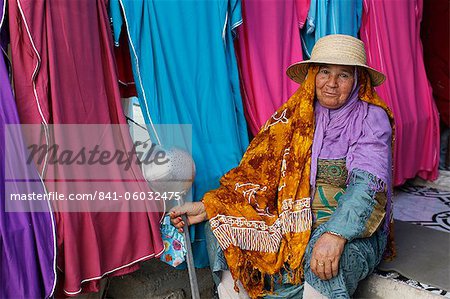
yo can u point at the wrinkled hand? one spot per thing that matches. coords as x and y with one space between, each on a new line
325 256
195 212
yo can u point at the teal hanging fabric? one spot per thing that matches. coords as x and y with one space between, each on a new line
185 72
330 17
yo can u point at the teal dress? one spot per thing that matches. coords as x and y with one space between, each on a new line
330 17
186 73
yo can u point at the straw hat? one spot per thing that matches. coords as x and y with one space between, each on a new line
336 49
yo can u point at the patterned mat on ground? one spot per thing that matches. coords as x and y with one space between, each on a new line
415 284
425 206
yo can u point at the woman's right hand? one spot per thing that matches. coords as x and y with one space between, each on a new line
326 255
195 213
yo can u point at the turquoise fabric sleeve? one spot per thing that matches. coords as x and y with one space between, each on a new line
115 14
359 11
356 206
235 13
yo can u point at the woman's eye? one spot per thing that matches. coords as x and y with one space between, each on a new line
345 75
324 71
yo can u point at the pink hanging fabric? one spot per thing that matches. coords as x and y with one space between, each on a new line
268 42
391 33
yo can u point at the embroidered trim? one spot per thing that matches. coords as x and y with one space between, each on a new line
256 235
332 171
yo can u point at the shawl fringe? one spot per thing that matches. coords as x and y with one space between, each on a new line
256 235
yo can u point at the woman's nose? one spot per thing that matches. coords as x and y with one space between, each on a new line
332 81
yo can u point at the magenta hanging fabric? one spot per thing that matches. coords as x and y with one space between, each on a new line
27 240
65 79
268 42
391 32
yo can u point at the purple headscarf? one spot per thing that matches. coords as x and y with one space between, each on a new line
357 131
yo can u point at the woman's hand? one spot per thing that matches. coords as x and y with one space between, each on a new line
195 212
326 254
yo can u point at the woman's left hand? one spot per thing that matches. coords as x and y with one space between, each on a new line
326 254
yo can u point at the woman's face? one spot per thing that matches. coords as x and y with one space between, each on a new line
334 84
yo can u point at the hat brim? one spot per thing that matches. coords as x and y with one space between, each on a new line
298 71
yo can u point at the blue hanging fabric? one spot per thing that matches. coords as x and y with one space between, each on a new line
186 73
330 17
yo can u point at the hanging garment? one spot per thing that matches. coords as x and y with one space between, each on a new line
124 69
391 32
263 65
65 73
127 85
27 240
186 73
435 38
330 17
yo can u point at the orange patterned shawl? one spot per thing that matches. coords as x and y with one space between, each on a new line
261 212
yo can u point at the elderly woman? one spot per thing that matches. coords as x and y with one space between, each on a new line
310 200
